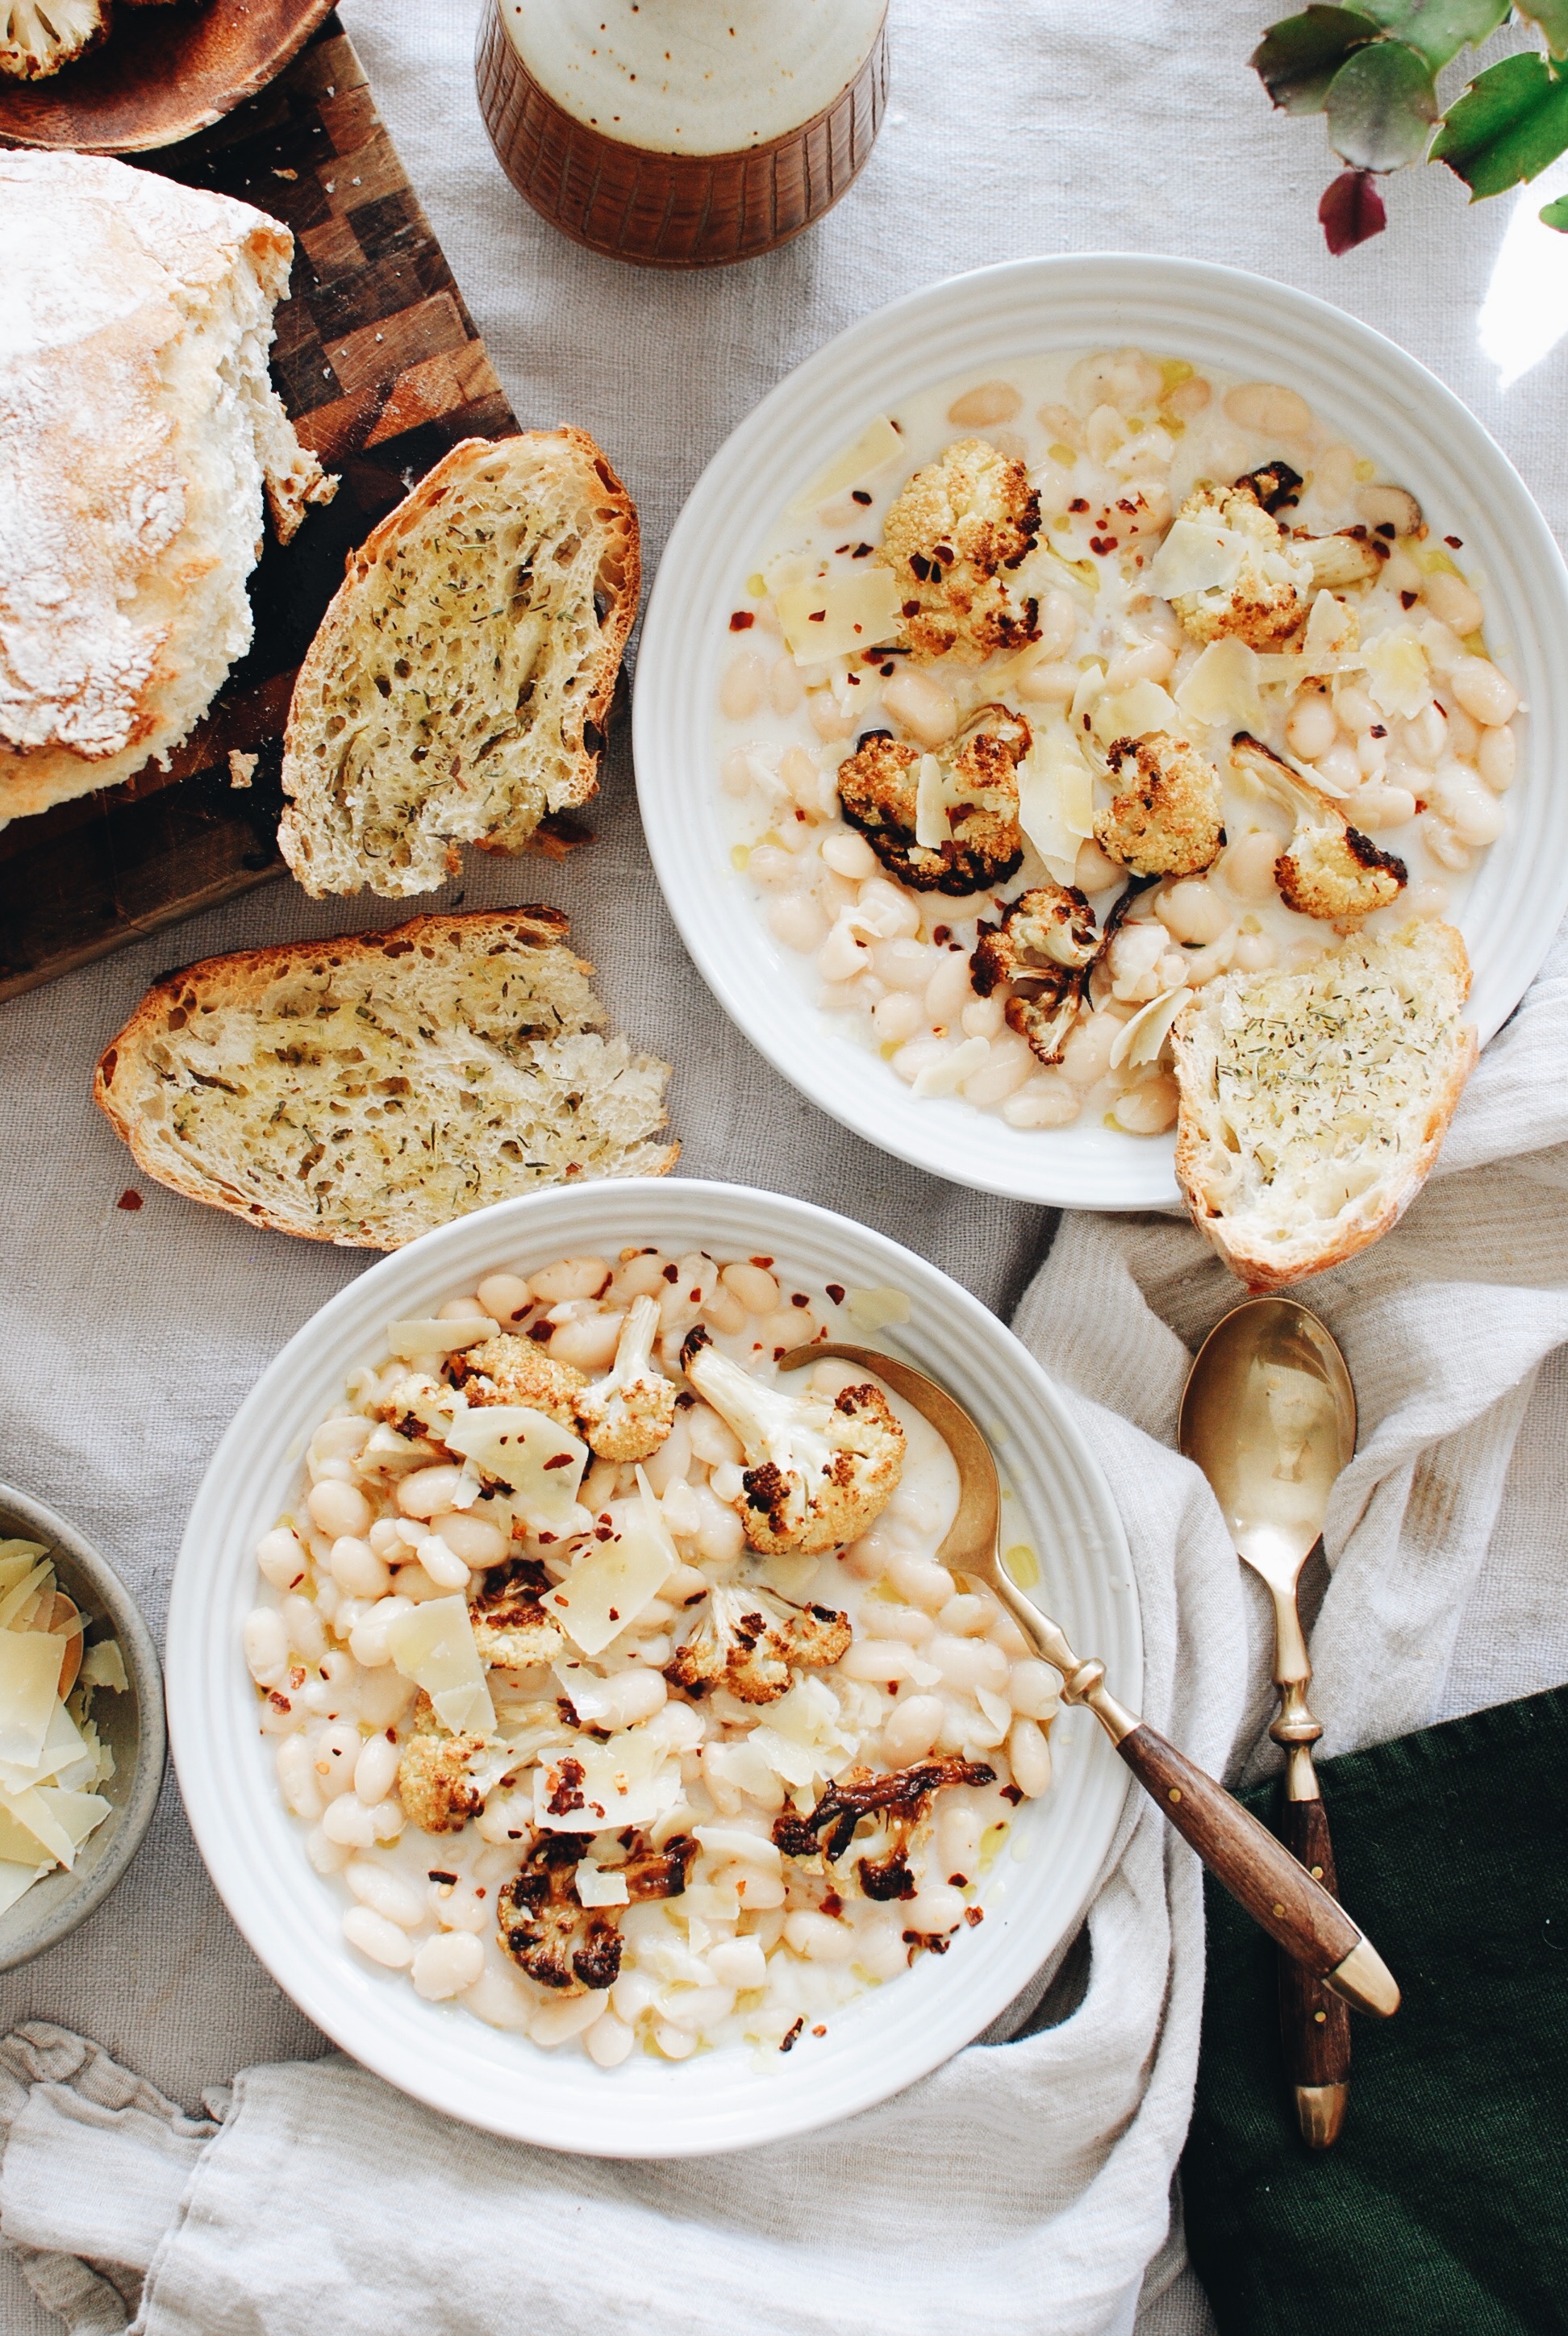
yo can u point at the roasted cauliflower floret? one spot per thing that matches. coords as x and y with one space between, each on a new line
434 1783
511 1369
819 1472
969 817
1266 597
628 1414
1167 820
510 1626
952 538
901 1799
749 1640
546 1931
1046 940
1331 869
35 40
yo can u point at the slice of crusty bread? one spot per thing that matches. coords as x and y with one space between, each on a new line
361 1091
1313 1102
139 435
458 687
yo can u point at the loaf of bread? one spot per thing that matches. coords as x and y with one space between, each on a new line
1313 1102
361 1091
458 687
138 435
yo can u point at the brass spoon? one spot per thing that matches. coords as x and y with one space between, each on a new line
1254 1867
1269 1415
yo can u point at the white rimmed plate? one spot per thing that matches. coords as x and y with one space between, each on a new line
255 1850
1379 399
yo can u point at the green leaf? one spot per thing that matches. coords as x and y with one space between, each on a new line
1381 106
1550 18
1297 58
1556 215
1511 122
1439 29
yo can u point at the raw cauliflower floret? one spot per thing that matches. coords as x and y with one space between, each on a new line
1167 822
820 1471
435 1784
1044 945
951 538
879 787
1268 597
628 1414
748 1640
1331 869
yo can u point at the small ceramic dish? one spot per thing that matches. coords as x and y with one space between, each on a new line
442 2053
973 328
131 1722
161 75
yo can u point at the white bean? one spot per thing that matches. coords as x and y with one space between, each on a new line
473 1539
785 688
964 1616
1384 506
753 1285
356 1569
744 687
1374 807
1050 681
383 1697
849 855
1058 623
336 1508
1428 899
993 401
1461 736
1007 1067
986 1018
303 1627
446 1964
896 1018
1473 812
1312 727
1487 695
385 1892
1086 1055
609 2041
374 1936
1046 1102
949 991
922 1581
959 1829
298 1778
1269 409
1029 1757
1148 1109
737 1964
912 1728
442 1564
675 2043
333 1762
1448 850
818 1937
1453 604
265 1642
1356 710
719 1537
569 1277
351 1821
376 1770
325 1857
769 868
968 1663
504 1296
1192 910
368 1640
1427 735
713 1439
1034 1689
842 957
934 1910
923 706
902 964
1253 953
1339 768
281 1556
426 1491
1149 661
1495 759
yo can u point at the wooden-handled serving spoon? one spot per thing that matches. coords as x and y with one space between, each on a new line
1269 1415
1258 1870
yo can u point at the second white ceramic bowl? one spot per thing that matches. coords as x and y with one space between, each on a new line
1377 398
255 1850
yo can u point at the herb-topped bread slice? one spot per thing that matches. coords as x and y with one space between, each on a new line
1314 1103
361 1091
458 687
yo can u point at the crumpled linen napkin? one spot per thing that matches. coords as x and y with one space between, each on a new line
1024 2187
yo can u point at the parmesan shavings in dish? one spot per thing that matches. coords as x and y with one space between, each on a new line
611 1674
52 1759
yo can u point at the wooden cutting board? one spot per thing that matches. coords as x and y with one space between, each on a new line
382 370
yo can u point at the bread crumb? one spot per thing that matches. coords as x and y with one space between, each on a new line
241 769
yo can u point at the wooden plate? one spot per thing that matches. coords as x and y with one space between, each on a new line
162 75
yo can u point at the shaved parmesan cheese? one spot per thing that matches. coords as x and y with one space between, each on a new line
608 1588
76 1813
1141 1039
1221 690
597 1887
433 1645
32 1816
29 1693
803 1740
1057 800
933 828
826 616
1330 628
1398 673
15 1880
876 445
1196 556
426 1342
17 1559
947 1075
15 1601
1091 681
1135 711
871 1310
631 1779
62 1747
526 1451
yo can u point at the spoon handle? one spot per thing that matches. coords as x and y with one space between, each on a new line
1314 2025
1261 1874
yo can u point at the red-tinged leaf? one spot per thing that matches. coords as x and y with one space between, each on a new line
1351 211
1297 58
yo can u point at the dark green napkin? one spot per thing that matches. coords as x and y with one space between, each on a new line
1443 2208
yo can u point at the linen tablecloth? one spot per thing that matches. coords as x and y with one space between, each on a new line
130 1337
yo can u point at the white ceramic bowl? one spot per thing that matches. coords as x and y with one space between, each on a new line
1381 400
440 2053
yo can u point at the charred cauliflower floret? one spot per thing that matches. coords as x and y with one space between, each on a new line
901 1800
549 1933
749 1640
1045 943
952 538
819 1472
1166 820
434 1783
1331 869
37 40
1265 596
628 1414
510 1626
941 823
511 1369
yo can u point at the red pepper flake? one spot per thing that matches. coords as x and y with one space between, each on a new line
764 1261
892 1686
1454 542
958 1881
861 552
1079 504
1012 1793
439 1874
819 2032
544 1537
793 2039
672 1273
129 1199
614 1613
392 1735
838 551
479 1892
941 933
561 1460
1378 731
542 1333
909 608
1102 544
836 1292
832 1903
974 1916
858 495
695 1296
1408 599
742 621
888 672
817 616
604 1533
799 1300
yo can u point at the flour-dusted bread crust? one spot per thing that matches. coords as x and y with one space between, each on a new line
361 1091
140 434
1313 1104
458 688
